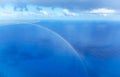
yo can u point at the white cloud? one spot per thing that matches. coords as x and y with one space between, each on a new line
43 12
48 12
69 13
9 12
103 11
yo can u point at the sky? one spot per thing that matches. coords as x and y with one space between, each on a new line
70 4
64 7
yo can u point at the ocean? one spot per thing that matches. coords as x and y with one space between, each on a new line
60 48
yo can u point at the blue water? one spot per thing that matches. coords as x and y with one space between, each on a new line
57 48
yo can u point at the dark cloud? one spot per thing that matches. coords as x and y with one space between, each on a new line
70 4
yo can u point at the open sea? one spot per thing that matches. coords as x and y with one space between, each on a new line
60 48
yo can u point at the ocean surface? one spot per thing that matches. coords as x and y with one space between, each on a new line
60 48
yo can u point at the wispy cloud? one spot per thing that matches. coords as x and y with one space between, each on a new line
8 12
103 11
69 13
69 4
45 13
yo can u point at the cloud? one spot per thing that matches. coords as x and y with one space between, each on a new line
103 11
68 4
43 12
69 13
57 12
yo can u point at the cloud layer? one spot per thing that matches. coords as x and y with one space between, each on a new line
59 8
48 12
103 11
69 4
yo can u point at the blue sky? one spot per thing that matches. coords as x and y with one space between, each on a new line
70 4
56 8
